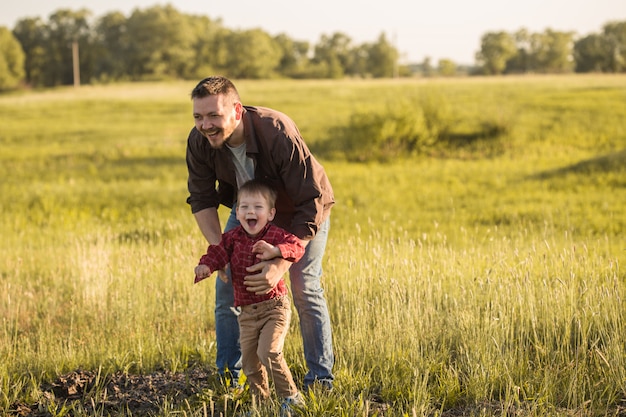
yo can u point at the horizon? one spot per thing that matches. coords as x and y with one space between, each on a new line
432 31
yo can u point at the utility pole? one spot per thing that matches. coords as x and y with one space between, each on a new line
75 64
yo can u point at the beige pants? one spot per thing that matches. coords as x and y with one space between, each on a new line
263 327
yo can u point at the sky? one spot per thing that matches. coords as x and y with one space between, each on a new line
438 29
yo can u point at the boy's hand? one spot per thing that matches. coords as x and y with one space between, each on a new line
265 251
202 272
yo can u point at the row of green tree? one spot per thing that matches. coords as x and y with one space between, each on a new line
553 51
160 42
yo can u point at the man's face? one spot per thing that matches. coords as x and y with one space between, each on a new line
216 119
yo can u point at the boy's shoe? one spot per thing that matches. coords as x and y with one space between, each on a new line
237 391
288 405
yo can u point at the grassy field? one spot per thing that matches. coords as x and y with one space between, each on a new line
483 276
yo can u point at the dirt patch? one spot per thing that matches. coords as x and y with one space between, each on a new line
120 393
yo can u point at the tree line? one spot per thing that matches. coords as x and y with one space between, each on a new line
160 42
553 51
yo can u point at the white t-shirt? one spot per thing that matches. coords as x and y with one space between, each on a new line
244 165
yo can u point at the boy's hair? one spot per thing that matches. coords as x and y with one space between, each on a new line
259 187
215 85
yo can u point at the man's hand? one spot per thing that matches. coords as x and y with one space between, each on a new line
222 275
268 273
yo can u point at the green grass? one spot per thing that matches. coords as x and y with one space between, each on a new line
483 276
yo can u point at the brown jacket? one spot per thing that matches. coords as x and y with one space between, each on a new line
281 158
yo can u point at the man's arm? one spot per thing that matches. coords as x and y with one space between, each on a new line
268 273
209 224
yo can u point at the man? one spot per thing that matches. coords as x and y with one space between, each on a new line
229 145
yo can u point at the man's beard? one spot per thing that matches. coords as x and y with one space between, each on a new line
218 143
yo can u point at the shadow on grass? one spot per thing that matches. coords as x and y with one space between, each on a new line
610 163
486 140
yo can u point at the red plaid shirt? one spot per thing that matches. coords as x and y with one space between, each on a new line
236 248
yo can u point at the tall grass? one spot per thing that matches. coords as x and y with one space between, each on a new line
459 281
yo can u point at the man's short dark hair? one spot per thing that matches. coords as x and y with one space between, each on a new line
215 85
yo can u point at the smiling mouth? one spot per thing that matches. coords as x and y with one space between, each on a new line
251 222
211 132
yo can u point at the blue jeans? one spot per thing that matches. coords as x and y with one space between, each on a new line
309 300
228 358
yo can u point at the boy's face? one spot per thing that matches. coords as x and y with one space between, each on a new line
254 212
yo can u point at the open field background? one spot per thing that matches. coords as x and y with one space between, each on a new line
482 275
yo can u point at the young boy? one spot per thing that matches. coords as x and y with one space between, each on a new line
264 319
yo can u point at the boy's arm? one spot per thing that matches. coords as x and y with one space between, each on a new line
286 246
291 247
292 251
215 259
